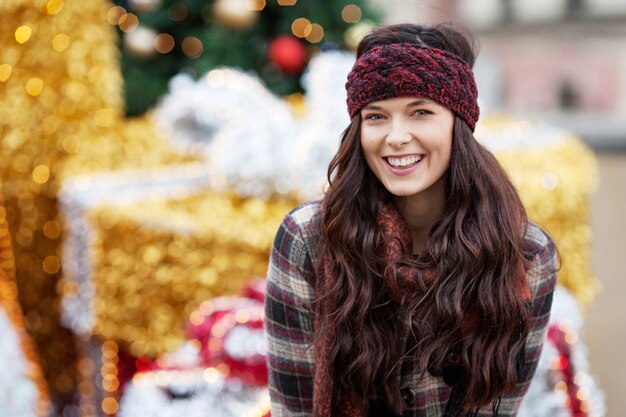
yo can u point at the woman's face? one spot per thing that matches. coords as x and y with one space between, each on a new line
407 142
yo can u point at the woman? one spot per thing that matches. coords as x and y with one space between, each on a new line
416 286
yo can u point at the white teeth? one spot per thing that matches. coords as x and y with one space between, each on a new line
404 162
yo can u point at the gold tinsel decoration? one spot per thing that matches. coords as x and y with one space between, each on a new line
156 261
61 107
556 174
555 183
59 85
9 302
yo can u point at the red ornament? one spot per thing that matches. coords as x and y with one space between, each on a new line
288 53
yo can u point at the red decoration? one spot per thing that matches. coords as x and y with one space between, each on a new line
219 319
557 337
255 289
288 53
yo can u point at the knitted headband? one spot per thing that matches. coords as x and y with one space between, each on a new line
404 69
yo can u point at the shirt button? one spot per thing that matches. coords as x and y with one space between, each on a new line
408 396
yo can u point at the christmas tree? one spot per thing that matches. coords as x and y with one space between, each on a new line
273 38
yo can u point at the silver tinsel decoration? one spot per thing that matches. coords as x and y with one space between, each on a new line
542 399
83 193
251 136
18 393
191 393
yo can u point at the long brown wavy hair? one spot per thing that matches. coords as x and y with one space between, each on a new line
476 252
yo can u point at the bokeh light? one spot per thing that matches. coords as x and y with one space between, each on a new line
34 86
23 33
164 43
351 13
316 35
256 5
192 47
5 72
301 27
60 42
177 12
54 6
114 14
128 22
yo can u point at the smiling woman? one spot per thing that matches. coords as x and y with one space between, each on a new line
416 286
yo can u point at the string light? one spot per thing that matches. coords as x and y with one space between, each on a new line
560 386
256 5
5 72
192 47
287 2
164 43
54 6
128 22
60 42
301 27
110 405
351 13
51 264
34 86
52 229
41 174
109 374
583 394
571 337
316 33
177 12
23 33
114 14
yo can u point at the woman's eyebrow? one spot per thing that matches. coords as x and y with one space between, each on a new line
372 107
419 102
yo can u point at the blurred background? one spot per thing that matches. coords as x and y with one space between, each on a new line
150 148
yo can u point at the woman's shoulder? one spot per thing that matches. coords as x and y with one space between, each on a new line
299 231
536 239
304 215
544 256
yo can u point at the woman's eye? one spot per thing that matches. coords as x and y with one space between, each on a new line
422 112
374 116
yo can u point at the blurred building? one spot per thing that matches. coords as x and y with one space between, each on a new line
557 60
560 60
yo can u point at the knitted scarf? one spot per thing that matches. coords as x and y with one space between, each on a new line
403 289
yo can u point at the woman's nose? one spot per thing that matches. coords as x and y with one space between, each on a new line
398 134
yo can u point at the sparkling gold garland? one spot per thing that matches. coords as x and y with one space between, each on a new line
156 261
132 143
9 301
59 84
555 184
61 112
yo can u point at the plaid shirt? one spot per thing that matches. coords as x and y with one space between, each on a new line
289 325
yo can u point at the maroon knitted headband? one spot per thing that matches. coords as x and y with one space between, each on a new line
395 70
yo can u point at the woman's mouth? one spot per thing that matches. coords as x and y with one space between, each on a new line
403 165
404 161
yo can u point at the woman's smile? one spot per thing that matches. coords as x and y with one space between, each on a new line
403 164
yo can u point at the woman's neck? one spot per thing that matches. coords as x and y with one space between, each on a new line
421 211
